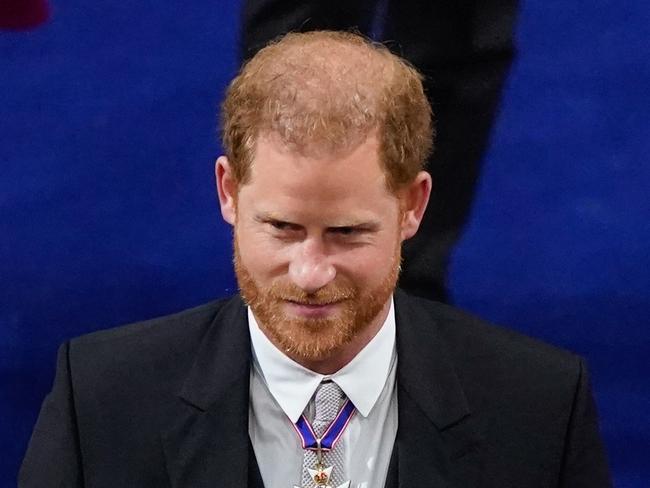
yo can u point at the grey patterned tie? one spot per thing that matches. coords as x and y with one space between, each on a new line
327 401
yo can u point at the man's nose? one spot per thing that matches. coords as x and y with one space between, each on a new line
311 269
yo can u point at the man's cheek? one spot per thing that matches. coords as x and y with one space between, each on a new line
263 265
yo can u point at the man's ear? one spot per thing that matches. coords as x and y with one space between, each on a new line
227 189
414 202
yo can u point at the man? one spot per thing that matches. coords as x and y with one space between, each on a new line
324 374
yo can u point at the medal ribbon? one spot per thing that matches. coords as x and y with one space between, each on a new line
331 435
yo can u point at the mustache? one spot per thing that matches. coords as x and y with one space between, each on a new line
332 293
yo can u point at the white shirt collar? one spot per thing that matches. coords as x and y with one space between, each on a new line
293 385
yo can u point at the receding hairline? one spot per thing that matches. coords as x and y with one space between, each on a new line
326 91
313 74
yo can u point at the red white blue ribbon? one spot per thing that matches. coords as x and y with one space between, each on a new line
331 435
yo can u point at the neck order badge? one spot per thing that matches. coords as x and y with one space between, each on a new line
320 474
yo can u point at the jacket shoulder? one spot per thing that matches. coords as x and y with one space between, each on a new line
530 401
488 354
466 332
142 355
187 323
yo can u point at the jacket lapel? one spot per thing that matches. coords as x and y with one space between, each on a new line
437 442
207 443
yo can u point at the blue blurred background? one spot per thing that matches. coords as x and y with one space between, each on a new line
108 211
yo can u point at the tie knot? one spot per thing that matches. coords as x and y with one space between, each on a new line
327 402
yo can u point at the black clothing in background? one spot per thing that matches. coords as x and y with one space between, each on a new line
464 49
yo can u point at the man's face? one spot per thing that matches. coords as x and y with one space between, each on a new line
317 245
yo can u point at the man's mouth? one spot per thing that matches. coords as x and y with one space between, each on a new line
312 309
307 303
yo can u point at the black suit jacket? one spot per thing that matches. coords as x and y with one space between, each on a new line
164 403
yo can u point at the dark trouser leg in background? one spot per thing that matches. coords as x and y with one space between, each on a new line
264 20
464 49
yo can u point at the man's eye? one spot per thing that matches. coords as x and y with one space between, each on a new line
345 231
283 226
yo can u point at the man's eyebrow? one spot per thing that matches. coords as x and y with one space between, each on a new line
361 224
264 217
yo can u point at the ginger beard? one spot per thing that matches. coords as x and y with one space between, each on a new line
314 338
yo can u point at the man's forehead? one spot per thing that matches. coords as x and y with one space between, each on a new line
280 171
